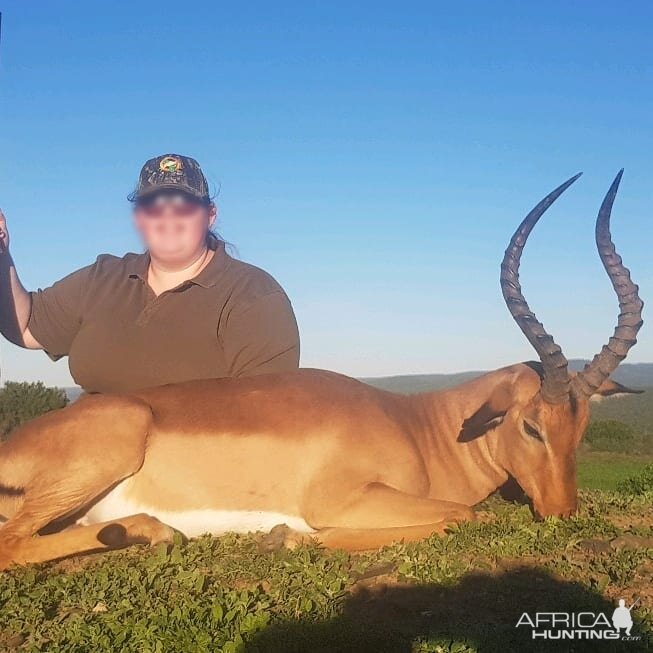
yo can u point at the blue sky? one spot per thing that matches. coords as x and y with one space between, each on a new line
375 158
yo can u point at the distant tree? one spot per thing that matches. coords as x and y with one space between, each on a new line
611 435
20 402
639 484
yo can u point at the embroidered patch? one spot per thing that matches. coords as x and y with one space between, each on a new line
170 164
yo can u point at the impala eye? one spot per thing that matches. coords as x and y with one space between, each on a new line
531 429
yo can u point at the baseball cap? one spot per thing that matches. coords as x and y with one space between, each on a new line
171 172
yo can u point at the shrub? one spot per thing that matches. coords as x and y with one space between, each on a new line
20 402
611 435
639 484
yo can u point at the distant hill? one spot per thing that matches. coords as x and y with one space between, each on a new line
412 383
636 410
635 375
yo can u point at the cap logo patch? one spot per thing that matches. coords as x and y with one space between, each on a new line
170 164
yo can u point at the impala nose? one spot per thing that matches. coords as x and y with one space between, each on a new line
565 511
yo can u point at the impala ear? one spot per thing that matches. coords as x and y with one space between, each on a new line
610 388
491 412
483 420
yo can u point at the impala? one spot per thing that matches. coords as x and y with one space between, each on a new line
325 455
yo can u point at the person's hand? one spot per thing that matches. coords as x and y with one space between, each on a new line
4 234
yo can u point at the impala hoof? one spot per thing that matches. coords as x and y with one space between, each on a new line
145 529
283 537
164 535
275 539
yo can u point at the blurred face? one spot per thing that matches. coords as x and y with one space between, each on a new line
173 225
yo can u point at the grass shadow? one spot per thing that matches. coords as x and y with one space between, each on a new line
481 610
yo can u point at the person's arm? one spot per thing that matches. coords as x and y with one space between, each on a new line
261 337
57 312
46 319
15 301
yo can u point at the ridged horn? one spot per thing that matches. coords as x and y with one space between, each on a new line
630 305
555 382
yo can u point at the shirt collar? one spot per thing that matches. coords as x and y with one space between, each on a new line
138 266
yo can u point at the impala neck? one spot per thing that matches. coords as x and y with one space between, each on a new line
464 472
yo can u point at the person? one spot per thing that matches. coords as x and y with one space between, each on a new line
184 309
621 617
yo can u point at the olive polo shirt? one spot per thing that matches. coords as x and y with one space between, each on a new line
232 319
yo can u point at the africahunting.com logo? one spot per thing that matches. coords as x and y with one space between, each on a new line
581 625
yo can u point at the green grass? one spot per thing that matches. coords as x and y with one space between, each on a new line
460 593
604 471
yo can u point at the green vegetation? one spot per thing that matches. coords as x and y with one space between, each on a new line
634 410
20 402
611 435
460 593
606 471
639 485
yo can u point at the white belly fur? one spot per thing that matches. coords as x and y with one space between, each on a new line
191 522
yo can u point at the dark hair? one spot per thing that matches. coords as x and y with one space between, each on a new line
213 237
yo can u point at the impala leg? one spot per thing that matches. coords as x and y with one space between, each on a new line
378 516
59 463
115 534
352 539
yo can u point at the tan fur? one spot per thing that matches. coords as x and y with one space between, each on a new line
361 466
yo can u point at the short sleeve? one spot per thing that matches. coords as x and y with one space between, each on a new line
57 312
261 337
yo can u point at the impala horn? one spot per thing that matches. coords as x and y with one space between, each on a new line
556 381
585 383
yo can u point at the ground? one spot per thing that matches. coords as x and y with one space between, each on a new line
603 470
460 593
